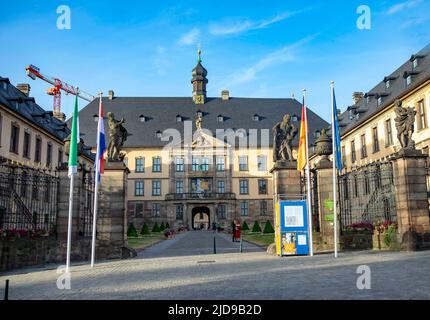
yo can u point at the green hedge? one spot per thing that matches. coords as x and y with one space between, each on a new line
256 227
131 232
145 229
162 226
268 228
156 228
245 226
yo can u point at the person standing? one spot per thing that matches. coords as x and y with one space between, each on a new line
233 230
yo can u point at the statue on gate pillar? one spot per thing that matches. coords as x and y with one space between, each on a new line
405 118
283 135
117 137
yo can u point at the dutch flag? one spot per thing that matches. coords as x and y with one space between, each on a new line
101 144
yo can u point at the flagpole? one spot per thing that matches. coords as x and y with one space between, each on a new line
308 180
334 169
96 188
69 226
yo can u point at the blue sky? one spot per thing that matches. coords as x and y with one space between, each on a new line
252 48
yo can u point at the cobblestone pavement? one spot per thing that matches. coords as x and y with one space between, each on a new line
232 275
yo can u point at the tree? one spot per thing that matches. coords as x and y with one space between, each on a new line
156 228
162 226
131 232
256 227
167 226
268 227
245 226
145 229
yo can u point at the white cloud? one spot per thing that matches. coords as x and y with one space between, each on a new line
274 58
160 60
244 25
190 37
402 5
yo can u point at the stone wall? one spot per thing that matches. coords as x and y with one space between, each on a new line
22 253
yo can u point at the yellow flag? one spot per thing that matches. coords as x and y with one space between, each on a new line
301 157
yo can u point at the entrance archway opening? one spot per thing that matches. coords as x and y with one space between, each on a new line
200 218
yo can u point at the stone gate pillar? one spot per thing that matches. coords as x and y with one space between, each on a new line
112 217
409 174
63 202
286 178
324 195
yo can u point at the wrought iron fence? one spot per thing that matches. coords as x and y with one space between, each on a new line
28 198
86 208
367 195
314 197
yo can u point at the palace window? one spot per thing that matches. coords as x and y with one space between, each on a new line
415 63
156 164
343 156
363 146
220 163
244 186
422 116
388 133
179 164
375 139
200 164
262 163
138 210
14 138
156 188
156 209
262 186
138 188
221 186
263 208
60 157
179 212
195 164
1 127
353 154
244 208
243 163
222 211
204 164
38 149
140 164
179 186
408 80
49 154
26 149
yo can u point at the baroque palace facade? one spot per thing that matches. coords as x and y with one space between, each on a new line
368 131
182 169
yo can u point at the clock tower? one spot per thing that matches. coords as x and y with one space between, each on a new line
199 81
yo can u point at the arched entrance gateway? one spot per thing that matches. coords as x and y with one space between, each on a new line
200 218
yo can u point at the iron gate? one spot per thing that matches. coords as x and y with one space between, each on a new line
367 195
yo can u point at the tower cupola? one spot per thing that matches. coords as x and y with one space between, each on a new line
199 81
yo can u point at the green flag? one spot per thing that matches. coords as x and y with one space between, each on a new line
74 139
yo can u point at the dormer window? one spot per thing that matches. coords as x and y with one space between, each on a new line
256 117
199 114
158 134
220 118
380 101
96 118
142 118
295 118
367 99
317 134
4 86
408 80
387 84
415 63
178 118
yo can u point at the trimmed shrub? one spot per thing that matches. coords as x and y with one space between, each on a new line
268 228
245 226
167 226
156 228
145 229
162 226
131 232
256 227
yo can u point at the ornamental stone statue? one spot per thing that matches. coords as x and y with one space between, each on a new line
405 118
117 137
283 134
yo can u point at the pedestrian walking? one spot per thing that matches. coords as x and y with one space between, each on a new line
233 230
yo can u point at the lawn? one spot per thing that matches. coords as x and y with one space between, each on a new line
144 241
259 238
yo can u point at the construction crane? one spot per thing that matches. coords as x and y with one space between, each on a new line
34 72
